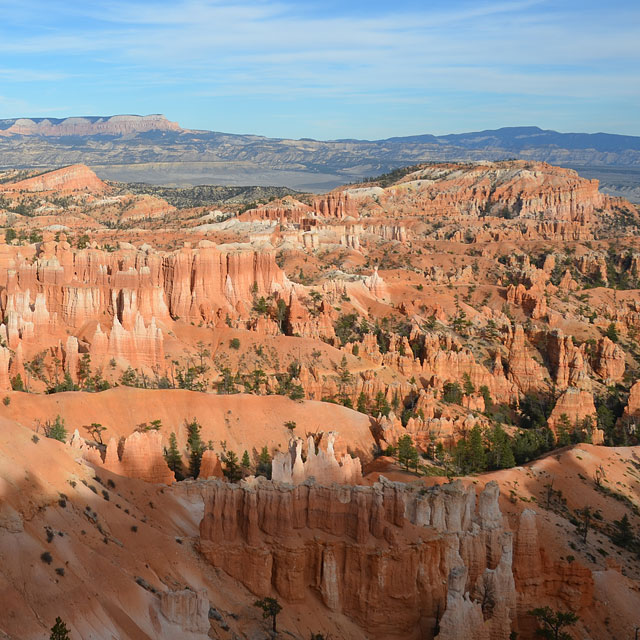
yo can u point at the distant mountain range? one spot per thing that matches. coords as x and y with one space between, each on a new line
153 149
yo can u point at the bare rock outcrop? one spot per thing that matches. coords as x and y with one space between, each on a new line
524 370
361 548
210 465
576 405
609 361
77 177
322 465
538 578
186 608
138 456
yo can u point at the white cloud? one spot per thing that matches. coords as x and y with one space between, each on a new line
272 49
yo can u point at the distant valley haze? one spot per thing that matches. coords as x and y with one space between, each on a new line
156 150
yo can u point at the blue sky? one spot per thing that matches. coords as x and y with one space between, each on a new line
327 69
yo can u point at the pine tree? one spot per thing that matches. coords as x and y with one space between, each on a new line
477 457
173 457
264 463
551 623
195 446
56 430
270 609
501 455
362 403
59 631
452 392
407 453
486 394
507 458
381 405
17 383
246 462
461 454
623 536
468 385
231 467
129 378
343 371
612 332
563 430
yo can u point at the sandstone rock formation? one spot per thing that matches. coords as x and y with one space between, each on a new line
67 180
576 405
189 609
609 361
210 466
358 548
322 465
138 456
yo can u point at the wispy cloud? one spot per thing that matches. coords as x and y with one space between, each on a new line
279 50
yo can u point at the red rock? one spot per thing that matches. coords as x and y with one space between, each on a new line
210 466
142 458
609 361
356 546
77 177
576 404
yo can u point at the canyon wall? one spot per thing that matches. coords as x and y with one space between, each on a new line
119 304
399 560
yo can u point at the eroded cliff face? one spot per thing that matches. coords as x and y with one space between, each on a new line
401 561
114 125
526 190
120 304
77 177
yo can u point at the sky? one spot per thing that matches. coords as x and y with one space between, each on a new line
327 69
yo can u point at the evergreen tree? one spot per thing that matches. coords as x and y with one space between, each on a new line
246 462
17 383
452 392
59 631
173 457
407 453
468 385
563 430
362 405
195 447
461 454
343 371
129 378
486 394
270 609
56 430
477 460
623 535
381 405
264 463
296 392
260 306
606 421
231 469
282 313
612 332
551 623
501 454
95 430
586 515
